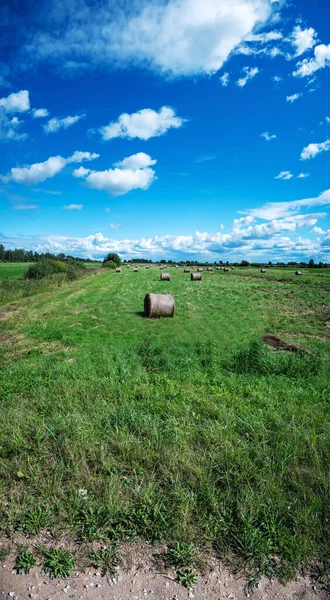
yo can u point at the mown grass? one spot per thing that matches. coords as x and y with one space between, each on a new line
12 270
182 430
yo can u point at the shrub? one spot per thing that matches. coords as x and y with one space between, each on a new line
112 256
109 264
45 268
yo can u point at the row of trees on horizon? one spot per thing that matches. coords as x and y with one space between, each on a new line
21 255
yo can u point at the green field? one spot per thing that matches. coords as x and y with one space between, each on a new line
12 270
188 428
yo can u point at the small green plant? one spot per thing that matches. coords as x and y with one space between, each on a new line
25 561
34 521
181 555
105 558
4 552
187 577
58 563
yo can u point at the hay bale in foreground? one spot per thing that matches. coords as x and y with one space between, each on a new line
118 270
298 273
196 276
262 270
159 305
186 270
165 277
135 270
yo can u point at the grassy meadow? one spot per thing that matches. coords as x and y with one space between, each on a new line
186 429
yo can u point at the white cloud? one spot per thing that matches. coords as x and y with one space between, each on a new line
284 175
81 172
55 124
250 73
25 206
10 128
293 98
131 173
303 39
115 226
17 102
38 172
264 38
277 78
308 66
73 207
205 158
144 124
39 113
302 175
276 210
312 150
327 119
267 136
224 79
177 37
318 231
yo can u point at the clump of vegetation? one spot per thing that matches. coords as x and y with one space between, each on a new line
4 552
47 268
106 559
58 562
109 264
25 561
112 261
181 555
34 520
187 577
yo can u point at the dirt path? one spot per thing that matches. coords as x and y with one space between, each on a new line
139 578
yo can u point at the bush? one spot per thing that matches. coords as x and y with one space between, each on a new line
112 256
48 267
109 264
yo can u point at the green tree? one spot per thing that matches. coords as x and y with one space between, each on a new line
114 258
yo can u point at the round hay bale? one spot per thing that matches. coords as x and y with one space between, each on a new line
233 268
162 268
186 270
196 277
209 269
147 267
118 270
262 270
176 266
135 270
225 269
200 270
298 273
165 277
159 305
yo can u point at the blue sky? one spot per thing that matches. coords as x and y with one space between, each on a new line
166 129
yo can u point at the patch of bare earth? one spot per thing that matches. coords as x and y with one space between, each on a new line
142 576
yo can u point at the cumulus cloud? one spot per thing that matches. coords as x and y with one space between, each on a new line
40 113
249 73
144 124
308 66
80 172
176 38
303 39
303 175
224 79
32 174
267 136
17 102
293 98
285 175
312 150
276 210
73 207
55 124
132 173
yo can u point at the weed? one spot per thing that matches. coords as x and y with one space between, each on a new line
4 552
35 520
181 555
25 561
106 559
187 577
58 562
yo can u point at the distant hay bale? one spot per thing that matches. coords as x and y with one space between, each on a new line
209 269
162 267
225 269
165 277
262 270
135 270
186 270
128 266
217 268
176 266
298 273
196 276
200 270
118 270
233 268
147 267
159 305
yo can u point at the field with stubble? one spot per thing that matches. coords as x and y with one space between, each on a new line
187 430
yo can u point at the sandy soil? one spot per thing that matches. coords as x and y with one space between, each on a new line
140 577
